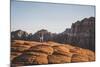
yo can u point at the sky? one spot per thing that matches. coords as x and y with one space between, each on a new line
34 16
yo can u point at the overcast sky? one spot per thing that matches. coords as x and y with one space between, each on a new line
33 16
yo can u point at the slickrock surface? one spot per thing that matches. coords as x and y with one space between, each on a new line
33 53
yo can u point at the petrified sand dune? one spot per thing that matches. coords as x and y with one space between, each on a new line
42 48
33 53
56 58
60 49
79 58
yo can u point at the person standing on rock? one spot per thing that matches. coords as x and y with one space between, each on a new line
41 38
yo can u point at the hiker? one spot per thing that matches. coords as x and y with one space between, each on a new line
41 38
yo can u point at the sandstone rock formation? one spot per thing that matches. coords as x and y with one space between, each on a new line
47 53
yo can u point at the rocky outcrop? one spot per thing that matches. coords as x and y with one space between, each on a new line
48 53
19 35
83 33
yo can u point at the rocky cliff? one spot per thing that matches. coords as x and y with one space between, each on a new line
83 33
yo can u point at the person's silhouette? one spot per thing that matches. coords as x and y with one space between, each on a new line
41 38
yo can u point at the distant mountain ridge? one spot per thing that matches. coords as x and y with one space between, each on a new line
81 33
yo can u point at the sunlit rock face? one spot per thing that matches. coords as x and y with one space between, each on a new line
34 53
